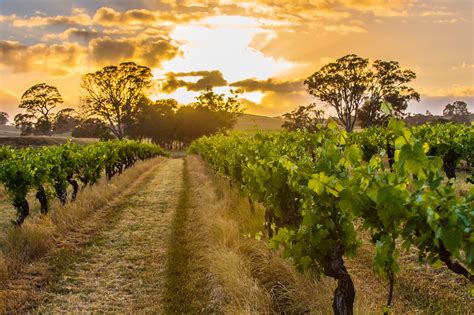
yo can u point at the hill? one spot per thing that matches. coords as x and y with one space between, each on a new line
248 122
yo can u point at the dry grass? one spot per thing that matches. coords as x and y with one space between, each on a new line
252 278
65 228
122 271
256 279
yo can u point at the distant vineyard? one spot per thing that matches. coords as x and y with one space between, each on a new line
49 171
314 186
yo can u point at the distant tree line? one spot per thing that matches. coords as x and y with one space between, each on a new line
115 103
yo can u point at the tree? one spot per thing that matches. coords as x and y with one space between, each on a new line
112 94
3 118
65 120
304 117
388 84
26 123
457 108
39 100
91 128
343 85
157 121
357 91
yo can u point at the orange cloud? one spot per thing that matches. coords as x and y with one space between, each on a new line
456 90
78 17
345 29
58 59
74 33
109 17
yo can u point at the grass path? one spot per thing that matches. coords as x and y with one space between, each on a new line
123 270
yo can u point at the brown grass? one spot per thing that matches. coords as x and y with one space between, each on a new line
65 228
256 279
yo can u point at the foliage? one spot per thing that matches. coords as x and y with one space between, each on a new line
457 108
91 128
304 117
112 94
171 125
357 91
65 120
315 185
38 101
3 118
50 170
388 84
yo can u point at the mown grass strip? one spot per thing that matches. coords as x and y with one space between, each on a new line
186 288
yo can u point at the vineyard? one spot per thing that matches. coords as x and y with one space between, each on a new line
50 170
389 181
246 223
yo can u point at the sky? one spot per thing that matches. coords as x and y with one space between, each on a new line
264 48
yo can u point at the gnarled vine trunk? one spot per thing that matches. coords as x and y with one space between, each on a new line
22 208
43 199
75 188
343 301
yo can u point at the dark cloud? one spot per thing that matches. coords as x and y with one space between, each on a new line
269 85
150 51
73 33
107 50
207 78
154 51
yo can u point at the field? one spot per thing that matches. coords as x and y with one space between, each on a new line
176 235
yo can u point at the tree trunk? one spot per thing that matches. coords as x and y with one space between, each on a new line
43 199
344 294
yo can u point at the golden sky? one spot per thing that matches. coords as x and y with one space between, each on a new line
265 48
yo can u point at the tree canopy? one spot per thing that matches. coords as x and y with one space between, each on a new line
304 117
353 88
38 101
3 118
112 94
457 108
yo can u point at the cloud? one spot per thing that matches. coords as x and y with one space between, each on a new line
206 79
148 50
9 102
453 91
436 13
345 29
60 59
106 16
108 50
77 17
269 85
379 7
74 33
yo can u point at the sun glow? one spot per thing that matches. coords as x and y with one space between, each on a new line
222 43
